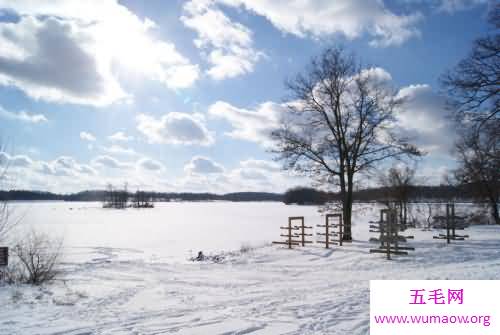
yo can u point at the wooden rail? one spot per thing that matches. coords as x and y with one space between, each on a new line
451 226
329 234
302 230
289 235
389 238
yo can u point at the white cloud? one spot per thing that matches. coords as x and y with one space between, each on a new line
9 161
119 150
87 169
203 174
20 161
120 137
456 5
319 18
261 175
252 174
175 128
260 164
53 63
66 162
109 162
66 174
448 6
63 174
150 164
229 44
61 166
203 165
215 183
71 51
424 117
22 116
251 125
87 136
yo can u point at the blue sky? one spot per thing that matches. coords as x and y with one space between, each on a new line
180 95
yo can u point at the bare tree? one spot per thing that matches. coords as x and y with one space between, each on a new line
398 183
38 257
474 84
478 155
7 221
338 123
116 198
142 199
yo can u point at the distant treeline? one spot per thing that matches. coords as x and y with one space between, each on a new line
299 195
310 196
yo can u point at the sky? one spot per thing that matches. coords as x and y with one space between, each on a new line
181 95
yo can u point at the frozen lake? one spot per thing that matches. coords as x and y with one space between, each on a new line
171 230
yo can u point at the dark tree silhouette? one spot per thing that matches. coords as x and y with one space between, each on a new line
338 124
305 196
142 199
474 91
399 183
474 84
478 155
115 198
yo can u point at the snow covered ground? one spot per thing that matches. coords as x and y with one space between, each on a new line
127 272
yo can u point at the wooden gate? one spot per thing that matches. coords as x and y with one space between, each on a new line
451 226
290 235
331 236
390 240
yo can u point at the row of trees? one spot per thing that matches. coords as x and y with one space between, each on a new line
340 124
474 90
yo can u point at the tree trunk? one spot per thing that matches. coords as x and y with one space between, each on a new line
405 215
347 209
494 212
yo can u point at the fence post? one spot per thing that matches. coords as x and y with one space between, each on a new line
448 223
453 223
303 233
341 230
388 234
327 236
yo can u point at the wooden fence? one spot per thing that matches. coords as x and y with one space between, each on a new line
331 236
389 238
289 234
451 226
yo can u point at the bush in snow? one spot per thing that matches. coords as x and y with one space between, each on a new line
35 259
